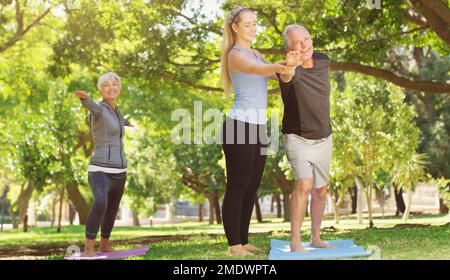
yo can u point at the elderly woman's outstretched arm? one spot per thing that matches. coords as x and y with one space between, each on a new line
87 102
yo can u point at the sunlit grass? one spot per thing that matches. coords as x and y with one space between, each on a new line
431 242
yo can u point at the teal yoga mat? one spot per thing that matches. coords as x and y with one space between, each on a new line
280 250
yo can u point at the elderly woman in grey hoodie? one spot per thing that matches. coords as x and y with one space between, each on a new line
108 165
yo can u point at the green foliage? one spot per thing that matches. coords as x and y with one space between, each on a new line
373 132
167 53
443 186
410 171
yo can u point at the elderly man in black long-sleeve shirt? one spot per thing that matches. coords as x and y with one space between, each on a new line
307 131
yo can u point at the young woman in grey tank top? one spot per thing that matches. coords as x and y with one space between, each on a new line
247 72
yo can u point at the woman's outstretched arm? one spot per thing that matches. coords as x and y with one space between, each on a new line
87 102
239 62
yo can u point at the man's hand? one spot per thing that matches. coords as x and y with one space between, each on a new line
81 94
290 63
293 58
286 70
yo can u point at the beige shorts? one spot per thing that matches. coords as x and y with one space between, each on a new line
309 158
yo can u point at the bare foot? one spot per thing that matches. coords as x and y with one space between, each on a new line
238 250
320 244
296 246
89 248
252 249
89 252
105 247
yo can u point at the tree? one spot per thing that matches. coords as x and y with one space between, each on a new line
200 171
435 15
408 174
194 144
186 55
188 42
443 186
17 18
151 176
273 183
372 129
433 114
167 53
30 161
279 179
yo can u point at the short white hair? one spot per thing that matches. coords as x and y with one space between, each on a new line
288 29
108 76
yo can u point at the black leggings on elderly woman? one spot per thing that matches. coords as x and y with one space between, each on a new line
107 190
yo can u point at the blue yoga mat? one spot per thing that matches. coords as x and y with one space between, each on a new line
280 250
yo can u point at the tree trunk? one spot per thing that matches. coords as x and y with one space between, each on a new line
3 205
336 201
369 204
285 188
22 202
408 205
399 202
25 223
443 209
200 212
404 82
335 210
354 194
336 214
359 198
272 201
286 215
171 212
12 215
61 200
72 214
217 208
430 11
78 201
136 222
211 210
258 210
54 202
279 209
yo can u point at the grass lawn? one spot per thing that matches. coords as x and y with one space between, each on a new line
429 239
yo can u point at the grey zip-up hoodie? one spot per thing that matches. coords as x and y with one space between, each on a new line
108 128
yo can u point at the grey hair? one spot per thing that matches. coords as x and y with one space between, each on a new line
288 29
107 76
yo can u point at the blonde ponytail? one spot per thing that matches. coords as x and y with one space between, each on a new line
228 41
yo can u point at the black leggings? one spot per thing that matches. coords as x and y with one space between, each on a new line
245 167
107 190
